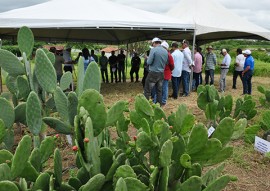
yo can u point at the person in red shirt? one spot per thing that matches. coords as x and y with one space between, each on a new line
167 73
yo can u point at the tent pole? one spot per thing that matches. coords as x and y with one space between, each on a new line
192 56
126 63
1 85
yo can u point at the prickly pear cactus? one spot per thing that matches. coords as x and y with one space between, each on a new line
26 40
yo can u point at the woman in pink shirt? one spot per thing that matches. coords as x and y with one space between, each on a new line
197 68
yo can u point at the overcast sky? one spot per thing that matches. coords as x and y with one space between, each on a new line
256 11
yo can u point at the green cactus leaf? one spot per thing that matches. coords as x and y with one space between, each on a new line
212 174
144 142
136 119
265 120
135 184
237 109
252 113
9 139
8 116
25 40
4 172
143 106
75 183
267 95
165 154
11 64
224 130
239 128
11 84
159 114
72 107
185 160
220 156
115 112
57 167
194 183
219 184
58 125
8 186
61 103
42 182
46 148
179 148
92 77
20 113
247 105
83 175
5 156
139 169
122 124
121 185
120 160
45 72
210 149
29 173
183 121
202 100
250 133
95 183
211 110
2 130
123 171
35 159
33 113
51 57
228 102
195 170
66 80
23 88
163 181
197 139
80 78
201 88
21 156
154 178
261 89
106 159
93 102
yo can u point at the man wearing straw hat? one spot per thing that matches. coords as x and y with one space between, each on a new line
211 61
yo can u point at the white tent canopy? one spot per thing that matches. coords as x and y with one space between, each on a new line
91 20
215 22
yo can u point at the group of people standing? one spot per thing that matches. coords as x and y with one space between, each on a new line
163 64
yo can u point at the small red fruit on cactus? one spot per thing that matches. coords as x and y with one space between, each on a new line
135 138
75 148
171 127
57 136
86 140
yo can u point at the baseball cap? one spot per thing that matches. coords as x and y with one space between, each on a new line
209 47
156 39
165 44
247 52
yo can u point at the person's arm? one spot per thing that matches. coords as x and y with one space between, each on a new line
151 57
215 59
248 63
170 62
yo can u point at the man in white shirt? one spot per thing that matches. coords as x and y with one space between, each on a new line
187 64
238 66
225 65
68 66
178 58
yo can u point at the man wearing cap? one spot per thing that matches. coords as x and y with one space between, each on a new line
187 64
248 72
225 65
157 60
68 66
211 61
238 66
178 58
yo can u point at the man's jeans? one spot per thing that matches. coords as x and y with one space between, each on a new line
154 79
165 90
175 86
209 73
185 79
247 82
222 81
235 75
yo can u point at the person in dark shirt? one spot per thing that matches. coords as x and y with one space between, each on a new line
113 66
94 56
121 66
135 67
146 68
103 62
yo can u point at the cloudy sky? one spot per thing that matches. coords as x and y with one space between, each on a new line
256 11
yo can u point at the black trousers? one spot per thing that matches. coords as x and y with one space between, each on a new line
136 71
235 75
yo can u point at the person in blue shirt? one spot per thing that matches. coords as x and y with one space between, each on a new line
248 72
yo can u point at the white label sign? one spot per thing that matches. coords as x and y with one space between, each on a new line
211 131
261 145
